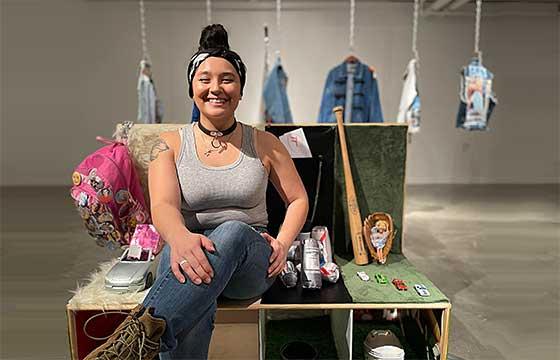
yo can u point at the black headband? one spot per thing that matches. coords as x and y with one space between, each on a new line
202 55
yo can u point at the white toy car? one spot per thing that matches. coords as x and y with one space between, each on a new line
421 289
132 275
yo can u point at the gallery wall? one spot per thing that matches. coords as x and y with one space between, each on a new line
69 72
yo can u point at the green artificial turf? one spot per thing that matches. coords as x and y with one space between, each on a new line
397 266
378 161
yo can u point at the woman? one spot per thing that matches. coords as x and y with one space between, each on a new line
215 237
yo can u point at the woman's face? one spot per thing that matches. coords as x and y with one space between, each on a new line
216 88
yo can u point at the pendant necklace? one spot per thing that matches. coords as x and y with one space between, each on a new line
215 134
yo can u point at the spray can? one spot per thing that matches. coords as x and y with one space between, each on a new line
294 253
321 234
289 275
311 266
330 272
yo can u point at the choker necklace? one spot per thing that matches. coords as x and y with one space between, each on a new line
215 135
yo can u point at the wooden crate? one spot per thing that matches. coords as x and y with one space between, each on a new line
378 156
233 318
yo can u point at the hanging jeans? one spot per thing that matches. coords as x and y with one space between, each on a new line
240 266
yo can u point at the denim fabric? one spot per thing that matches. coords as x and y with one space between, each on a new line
266 67
146 100
277 107
195 113
350 71
477 98
240 266
366 106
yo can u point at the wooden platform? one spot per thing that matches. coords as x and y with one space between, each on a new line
378 157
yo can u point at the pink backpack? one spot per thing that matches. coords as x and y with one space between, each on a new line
108 195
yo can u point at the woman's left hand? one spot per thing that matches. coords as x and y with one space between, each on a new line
278 257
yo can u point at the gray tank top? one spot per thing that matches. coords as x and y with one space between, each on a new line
213 195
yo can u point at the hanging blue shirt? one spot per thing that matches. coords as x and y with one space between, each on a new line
277 107
366 107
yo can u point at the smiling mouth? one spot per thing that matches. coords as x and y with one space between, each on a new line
216 101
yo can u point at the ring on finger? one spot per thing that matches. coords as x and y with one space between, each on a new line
184 261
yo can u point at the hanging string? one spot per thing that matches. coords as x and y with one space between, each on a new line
209 12
145 53
278 11
278 25
477 51
266 48
415 31
352 25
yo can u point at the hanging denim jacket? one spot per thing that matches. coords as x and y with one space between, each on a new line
477 98
195 113
150 109
277 107
366 106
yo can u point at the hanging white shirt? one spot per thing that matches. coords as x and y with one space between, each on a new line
409 107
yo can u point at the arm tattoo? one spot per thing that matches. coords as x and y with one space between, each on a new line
159 147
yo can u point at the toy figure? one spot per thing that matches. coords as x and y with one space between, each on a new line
378 231
379 235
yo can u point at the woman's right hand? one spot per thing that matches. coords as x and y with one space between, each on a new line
189 247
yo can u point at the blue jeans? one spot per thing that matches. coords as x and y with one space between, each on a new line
240 266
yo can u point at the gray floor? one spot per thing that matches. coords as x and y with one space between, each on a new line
494 250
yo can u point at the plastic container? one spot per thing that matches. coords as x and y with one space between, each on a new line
382 344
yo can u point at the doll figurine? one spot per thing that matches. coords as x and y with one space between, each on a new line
378 237
378 230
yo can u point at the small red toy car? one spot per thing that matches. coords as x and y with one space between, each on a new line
399 284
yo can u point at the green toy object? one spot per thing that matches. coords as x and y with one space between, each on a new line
380 278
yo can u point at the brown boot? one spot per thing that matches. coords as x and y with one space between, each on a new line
137 337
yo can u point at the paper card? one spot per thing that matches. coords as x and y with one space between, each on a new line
478 99
296 144
146 237
134 252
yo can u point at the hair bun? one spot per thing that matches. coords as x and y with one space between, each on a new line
213 37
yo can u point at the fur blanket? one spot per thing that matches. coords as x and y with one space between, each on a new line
93 295
141 139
